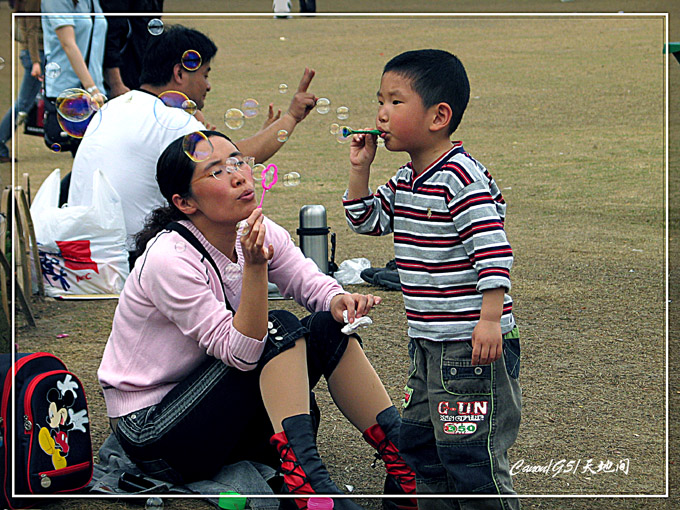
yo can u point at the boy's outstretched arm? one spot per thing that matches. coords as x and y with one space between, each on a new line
487 340
361 155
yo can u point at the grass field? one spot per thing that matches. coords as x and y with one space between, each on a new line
568 114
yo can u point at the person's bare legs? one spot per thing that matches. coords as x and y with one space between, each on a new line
356 388
284 385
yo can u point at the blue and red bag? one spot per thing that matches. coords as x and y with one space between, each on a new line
50 433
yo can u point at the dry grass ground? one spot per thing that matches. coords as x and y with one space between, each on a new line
568 115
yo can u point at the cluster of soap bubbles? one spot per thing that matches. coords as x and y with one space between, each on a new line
76 109
174 99
340 132
265 177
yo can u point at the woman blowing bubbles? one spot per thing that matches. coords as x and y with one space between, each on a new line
192 383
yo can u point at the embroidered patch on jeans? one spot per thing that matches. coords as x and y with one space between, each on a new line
408 393
460 428
462 411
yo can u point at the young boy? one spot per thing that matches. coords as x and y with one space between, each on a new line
462 398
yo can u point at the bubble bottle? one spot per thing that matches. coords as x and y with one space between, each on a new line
154 503
233 501
320 504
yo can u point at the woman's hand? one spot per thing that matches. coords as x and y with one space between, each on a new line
357 305
252 242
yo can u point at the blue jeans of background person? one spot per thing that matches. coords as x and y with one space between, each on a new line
459 421
30 87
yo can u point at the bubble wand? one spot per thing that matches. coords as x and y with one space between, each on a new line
347 131
265 186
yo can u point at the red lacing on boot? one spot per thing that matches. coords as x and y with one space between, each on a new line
293 475
394 464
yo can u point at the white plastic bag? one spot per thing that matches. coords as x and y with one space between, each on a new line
82 248
349 271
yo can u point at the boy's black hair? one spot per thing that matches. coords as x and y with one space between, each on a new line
437 76
165 50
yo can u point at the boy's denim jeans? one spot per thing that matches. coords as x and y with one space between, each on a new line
459 421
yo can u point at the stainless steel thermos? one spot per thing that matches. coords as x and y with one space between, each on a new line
313 233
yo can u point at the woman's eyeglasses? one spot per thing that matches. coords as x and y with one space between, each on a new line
232 165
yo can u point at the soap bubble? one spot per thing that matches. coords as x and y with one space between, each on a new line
381 141
342 112
243 227
234 118
334 128
52 70
154 503
283 88
55 147
98 101
191 60
76 129
74 104
155 26
282 136
195 148
250 108
189 106
173 99
291 179
257 173
323 105
343 136
268 175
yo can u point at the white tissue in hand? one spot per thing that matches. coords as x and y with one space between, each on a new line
360 322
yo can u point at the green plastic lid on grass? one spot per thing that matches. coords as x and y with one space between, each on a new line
232 501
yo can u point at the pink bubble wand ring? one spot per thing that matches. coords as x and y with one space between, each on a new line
266 187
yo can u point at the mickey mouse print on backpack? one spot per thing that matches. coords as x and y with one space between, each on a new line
45 445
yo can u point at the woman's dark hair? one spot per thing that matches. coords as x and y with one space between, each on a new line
165 50
174 172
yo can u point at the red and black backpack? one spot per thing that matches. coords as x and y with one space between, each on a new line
45 442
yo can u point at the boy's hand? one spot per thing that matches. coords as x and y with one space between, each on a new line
487 342
362 151
357 305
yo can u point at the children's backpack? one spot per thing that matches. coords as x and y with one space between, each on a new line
50 433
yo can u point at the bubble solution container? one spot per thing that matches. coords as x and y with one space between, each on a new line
234 501
320 504
153 503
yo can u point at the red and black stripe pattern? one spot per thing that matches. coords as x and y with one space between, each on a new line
449 240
